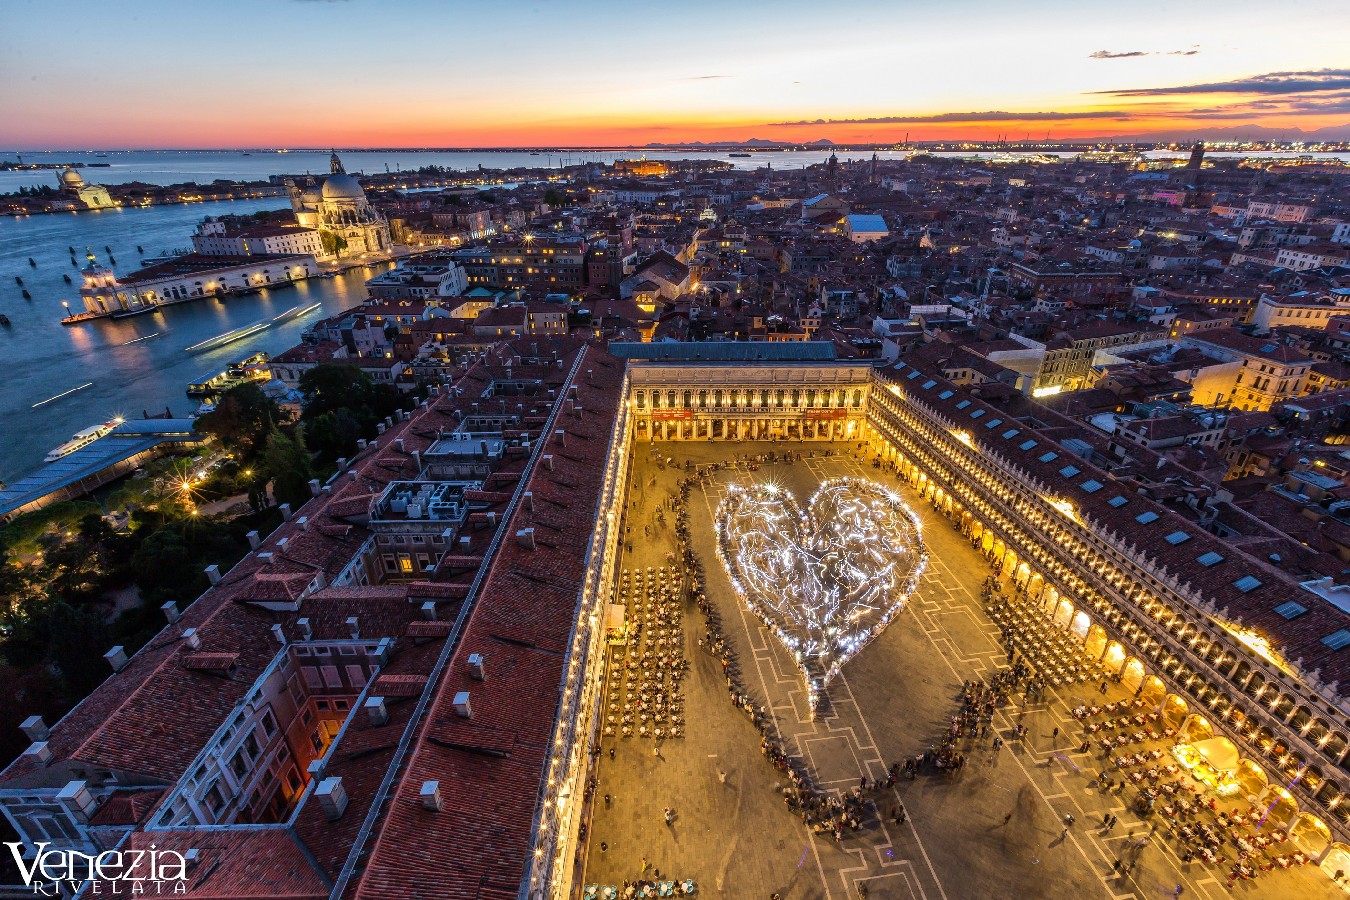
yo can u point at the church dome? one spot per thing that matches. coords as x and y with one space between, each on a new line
72 179
342 187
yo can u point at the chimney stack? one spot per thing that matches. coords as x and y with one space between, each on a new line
431 795
117 658
376 710
476 670
254 540
34 728
525 538
461 703
306 632
354 627
314 487
38 752
192 638
212 573
279 634
429 611
171 612
285 510
332 798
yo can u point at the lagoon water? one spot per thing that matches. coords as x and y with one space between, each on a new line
42 358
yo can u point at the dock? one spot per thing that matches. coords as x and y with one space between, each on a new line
121 451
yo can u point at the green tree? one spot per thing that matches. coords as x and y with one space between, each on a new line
77 640
287 461
333 244
165 567
334 433
554 198
242 419
332 386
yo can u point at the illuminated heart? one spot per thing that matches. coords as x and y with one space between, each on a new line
825 580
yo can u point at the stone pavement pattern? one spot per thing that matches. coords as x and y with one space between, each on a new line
895 699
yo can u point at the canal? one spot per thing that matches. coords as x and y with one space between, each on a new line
134 365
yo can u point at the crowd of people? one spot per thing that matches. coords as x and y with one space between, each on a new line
649 703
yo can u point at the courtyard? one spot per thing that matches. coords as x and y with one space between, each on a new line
995 827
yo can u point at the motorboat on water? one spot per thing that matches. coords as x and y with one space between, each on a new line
82 438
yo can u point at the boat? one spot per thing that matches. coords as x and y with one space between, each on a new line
251 368
128 313
4 320
82 439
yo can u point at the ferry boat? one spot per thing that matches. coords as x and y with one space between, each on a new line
740 155
252 368
82 439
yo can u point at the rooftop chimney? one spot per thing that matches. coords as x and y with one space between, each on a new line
34 728
529 500
399 444
315 485
429 611
461 703
378 712
192 638
354 627
254 540
117 658
38 752
332 798
285 510
212 573
306 632
476 667
525 537
279 634
431 795
171 612
78 800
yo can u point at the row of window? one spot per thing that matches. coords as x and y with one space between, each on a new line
794 398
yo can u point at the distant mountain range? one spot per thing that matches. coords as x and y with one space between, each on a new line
752 142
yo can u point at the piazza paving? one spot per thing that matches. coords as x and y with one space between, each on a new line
993 829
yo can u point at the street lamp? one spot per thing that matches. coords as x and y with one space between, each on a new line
66 304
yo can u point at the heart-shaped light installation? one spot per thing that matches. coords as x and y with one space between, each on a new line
825 580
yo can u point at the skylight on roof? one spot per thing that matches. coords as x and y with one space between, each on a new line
1069 471
1177 537
1048 457
1209 559
945 394
1145 517
927 384
1091 486
1247 583
1010 434
976 413
993 423
1291 610
1337 639
1027 445
963 404
914 374
1117 501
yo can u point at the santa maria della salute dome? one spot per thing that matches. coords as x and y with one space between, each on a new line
337 207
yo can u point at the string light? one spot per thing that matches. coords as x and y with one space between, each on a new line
827 580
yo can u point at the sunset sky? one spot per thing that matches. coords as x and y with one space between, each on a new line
422 73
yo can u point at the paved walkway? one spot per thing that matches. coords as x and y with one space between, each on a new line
895 699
